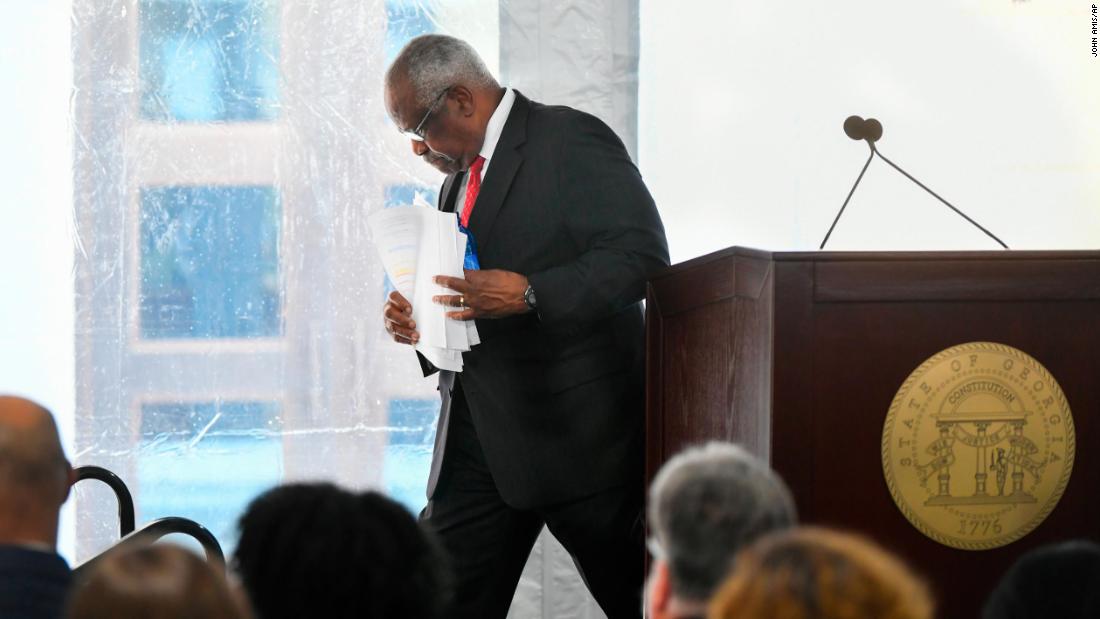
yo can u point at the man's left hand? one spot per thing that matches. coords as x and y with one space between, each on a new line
492 293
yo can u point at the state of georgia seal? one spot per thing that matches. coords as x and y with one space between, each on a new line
978 446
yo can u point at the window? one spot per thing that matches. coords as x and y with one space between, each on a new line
209 262
406 19
403 195
227 320
206 461
409 452
208 60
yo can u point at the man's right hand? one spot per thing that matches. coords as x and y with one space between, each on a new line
397 316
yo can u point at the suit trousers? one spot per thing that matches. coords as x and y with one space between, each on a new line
488 541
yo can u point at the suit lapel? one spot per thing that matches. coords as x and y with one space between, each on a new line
449 192
506 161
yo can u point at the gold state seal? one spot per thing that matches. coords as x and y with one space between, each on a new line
978 445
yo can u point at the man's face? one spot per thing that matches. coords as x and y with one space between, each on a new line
448 143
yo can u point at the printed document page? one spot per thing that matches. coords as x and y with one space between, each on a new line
416 243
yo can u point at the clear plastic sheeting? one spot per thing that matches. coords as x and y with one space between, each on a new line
581 53
208 61
226 155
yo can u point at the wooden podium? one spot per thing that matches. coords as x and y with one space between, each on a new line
798 356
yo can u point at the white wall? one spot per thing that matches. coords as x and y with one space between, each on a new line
36 250
992 103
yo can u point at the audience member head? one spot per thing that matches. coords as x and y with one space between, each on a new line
154 582
35 477
815 573
705 504
308 547
1060 580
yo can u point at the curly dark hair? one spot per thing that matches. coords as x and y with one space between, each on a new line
1058 580
309 550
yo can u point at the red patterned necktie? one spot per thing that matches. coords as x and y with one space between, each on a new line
473 185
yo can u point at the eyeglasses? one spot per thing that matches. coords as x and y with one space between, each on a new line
418 133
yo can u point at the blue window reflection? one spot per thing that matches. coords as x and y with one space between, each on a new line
210 262
409 453
209 60
406 19
404 195
206 461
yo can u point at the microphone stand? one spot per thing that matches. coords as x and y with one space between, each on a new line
845 205
870 131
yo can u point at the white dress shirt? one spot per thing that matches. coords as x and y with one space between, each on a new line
492 136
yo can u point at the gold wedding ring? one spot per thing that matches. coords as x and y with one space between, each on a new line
461 300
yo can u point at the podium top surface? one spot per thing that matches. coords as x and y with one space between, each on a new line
886 256
997 275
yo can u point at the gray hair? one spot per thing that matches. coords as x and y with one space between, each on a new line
707 503
435 62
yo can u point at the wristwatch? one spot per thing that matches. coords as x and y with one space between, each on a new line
529 298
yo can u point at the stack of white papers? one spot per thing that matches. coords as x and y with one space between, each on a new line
416 244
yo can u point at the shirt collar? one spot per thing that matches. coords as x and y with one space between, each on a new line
496 126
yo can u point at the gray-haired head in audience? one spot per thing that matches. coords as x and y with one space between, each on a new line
705 504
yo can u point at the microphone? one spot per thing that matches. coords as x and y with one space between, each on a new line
858 129
870 130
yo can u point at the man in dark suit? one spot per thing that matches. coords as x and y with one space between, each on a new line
544 424
35 479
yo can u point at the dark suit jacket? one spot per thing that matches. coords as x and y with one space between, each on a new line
557 396
33 584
